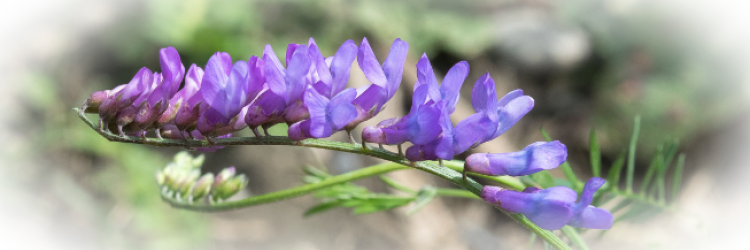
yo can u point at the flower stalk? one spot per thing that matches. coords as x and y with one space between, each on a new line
396 162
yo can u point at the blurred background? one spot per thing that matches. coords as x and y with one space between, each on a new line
589 64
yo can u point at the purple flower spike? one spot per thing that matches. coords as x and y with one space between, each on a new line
534 158
385 79
550 208
587 216
224 91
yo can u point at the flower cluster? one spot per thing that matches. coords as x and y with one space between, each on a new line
309 94
181 180
428 125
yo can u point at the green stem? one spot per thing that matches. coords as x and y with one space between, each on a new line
452 192
429 167
513 183
288 193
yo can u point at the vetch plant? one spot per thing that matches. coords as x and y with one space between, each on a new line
310 95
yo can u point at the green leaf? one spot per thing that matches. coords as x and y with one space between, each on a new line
424 196
310 170
677 176
660 178
543 178
322 207
631 155
616 170
652 168
595 154
396 185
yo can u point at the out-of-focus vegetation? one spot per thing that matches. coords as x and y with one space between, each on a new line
587 64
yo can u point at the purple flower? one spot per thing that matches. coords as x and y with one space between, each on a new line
554 207
326 116
493 117
158 100
126 95
281 100
533 158
226 89
429 116
587 216
184 108
330 106
385 79
419 126
127 115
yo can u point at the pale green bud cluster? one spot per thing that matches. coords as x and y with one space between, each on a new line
181 180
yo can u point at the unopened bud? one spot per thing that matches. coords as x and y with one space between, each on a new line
230 187
203 186
224 176
188 181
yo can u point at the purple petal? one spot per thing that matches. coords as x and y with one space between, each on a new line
593 218
134 89
370 65
550 208
320 69
370 99
451 86
483 96
290 49
588 192
317 105
255 77
534 158
513 111
393 66
298 68
509 96
192 84
426 76
172 69
472 131
299 130
341 64
235 89
274 72
341 111
215 79
425 125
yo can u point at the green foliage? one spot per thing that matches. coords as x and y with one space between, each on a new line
363 201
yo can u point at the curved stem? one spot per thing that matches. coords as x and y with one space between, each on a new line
429 167
288 193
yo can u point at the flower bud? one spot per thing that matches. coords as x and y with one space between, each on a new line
230 187
203 186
